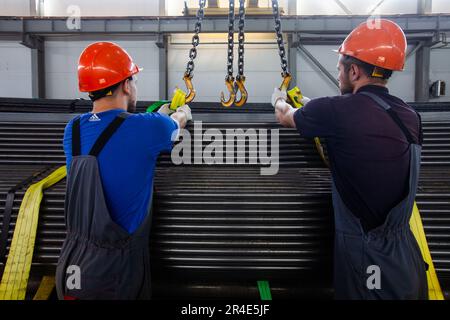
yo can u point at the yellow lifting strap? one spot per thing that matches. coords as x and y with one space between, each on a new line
45 288
434 289
17 269
178 100
295 95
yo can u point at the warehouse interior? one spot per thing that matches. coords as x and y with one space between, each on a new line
218 230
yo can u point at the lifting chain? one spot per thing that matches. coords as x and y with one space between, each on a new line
281 51
229 79
188 75
233 85
294 95
240 78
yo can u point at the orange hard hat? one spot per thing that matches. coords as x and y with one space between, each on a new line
381 43
103 64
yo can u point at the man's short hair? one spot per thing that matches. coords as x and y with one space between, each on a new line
106 91
369 69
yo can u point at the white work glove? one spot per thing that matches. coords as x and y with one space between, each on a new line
278 95
305 100
186 110
165 109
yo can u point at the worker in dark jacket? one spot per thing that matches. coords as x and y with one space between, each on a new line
111 156
374 143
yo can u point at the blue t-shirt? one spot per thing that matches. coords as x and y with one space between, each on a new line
369 154
127 161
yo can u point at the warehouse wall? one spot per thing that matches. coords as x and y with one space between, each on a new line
14 7
440 6
315 84
61 60
175 7
15 70
102 7
314 7
440 70
310 79
262 68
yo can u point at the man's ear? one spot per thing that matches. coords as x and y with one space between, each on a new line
126 87
354 72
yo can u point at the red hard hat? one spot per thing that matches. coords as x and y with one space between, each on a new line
381 43
103 64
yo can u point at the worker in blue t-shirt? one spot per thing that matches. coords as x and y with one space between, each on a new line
111 155
374 142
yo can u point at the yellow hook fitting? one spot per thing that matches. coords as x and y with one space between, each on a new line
241 88
229 82
191 91
286 80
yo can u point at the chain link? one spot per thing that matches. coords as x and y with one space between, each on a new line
241 38
195 38
230 40
281 50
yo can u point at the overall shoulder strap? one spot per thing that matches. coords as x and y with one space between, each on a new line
107 133
392 114
76 140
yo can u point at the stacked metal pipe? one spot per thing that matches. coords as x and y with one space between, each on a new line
217 229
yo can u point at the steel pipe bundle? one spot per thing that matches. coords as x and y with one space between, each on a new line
217 229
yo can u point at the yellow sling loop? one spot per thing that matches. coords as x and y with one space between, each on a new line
178 100
434 289
17 269
45 288
295 95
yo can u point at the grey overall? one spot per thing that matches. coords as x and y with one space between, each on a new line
389 252
108 261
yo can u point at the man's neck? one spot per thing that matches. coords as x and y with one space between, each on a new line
102 106
366 82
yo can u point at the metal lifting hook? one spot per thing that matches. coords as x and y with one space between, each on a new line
191 91
240 80
286 80
229 82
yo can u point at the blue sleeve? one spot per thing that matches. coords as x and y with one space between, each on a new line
162 131
67 144
316 119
